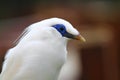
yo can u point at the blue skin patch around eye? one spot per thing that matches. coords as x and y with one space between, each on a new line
61 28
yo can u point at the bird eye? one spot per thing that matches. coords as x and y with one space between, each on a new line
61 28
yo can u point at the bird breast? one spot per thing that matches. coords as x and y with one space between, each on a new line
47 59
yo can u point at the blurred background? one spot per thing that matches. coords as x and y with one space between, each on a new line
97 20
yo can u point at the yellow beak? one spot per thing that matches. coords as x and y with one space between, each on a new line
79 37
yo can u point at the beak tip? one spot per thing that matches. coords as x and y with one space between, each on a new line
81 38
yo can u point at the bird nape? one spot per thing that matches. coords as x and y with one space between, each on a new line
40 51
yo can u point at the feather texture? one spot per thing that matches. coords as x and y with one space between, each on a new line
40 52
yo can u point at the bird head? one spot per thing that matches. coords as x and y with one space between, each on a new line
50 28
66 29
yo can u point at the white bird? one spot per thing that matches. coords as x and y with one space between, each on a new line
40 52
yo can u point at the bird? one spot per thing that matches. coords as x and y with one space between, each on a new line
40 51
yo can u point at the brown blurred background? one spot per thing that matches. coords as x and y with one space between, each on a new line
98 22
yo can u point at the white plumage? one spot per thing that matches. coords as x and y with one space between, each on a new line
40 51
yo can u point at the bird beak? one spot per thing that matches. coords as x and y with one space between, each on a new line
76 37
79 37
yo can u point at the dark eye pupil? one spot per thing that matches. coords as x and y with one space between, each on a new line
61 28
